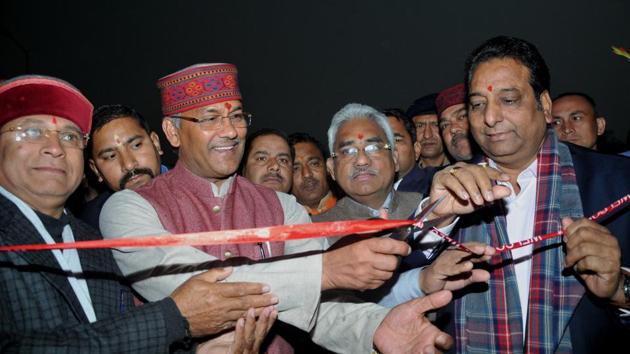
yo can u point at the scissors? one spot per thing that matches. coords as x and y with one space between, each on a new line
421 226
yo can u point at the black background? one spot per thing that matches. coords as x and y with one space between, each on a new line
299 62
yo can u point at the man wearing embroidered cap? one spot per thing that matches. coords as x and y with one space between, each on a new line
453 120
204 119
74 301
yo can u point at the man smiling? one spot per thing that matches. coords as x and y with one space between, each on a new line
204 119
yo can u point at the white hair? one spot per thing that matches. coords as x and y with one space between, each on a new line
358 111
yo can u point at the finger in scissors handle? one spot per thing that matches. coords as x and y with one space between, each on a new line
429 208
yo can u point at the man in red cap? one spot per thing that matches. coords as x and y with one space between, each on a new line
453 119
74 301
205 120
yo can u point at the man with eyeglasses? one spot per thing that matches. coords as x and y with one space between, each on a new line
364 163
204 119
268 160
74 301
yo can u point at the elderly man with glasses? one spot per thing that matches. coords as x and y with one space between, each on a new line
75 301
205 121
364 162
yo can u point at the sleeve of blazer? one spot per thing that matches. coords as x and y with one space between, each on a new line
151 328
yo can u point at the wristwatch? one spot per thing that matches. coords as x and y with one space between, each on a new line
626 286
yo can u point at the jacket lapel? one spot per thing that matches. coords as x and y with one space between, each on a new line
19 230
102 274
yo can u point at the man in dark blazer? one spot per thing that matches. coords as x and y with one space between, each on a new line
411 177
561 295
71 301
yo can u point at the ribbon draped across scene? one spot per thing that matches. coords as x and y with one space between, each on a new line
285 233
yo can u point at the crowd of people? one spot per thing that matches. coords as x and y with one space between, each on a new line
502 159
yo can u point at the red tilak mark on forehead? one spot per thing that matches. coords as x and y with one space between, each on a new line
54 120
490 88
360 136
228 106
117 141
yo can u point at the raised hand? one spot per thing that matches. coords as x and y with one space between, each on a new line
453 269
405 329
250 332
466 187
211 307
595 255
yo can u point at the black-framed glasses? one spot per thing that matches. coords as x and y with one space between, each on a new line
371 150
38 135
215 122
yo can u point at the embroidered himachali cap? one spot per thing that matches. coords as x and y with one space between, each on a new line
33 94
197 86
450 97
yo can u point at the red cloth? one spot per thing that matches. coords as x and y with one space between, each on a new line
30 95
450 97
197 86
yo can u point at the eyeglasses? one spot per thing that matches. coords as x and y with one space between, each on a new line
215 122
371 150
67 138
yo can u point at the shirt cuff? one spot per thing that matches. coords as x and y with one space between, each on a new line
430 240
407 287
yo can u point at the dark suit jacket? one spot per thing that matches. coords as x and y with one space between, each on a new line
39 311
418 180
602 179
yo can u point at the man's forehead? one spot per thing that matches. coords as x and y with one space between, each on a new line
228 106
423 118
307 149
397 125
572 103
269 142
121 124
500 71
44 119
359 129
453 111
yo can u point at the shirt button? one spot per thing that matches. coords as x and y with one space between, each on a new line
227 254
216 209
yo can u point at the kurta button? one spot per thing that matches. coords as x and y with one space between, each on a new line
227 254
216 209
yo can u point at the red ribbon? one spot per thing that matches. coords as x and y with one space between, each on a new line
254 235
284 233
595 217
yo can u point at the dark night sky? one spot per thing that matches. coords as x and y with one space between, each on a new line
299 62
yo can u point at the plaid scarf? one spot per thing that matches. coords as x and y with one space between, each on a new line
488 319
